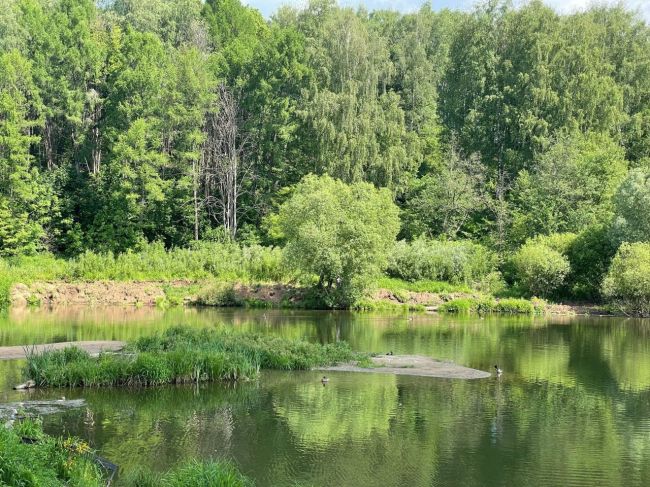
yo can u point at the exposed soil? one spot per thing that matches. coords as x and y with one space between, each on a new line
99 293
93 348
149 293
268 293
413 365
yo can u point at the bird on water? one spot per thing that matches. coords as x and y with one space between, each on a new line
324 380
498 370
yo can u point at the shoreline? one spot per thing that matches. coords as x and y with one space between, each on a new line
183 292
413 365
92 347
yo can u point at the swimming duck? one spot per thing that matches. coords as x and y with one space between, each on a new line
324 380
499 371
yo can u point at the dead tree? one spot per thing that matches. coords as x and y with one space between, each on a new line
224 166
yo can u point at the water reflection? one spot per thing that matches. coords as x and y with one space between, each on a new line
572 408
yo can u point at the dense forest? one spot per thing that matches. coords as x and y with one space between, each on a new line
125 122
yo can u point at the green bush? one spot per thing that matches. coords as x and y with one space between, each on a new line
540 270
48 462
219 294
590 256
455 262
338 235
560 242
628 281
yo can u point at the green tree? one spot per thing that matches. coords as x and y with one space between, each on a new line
540 270
632 207
628 280
25 197
570 186
443 201
340 233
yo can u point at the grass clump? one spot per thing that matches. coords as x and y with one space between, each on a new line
47 462
421 286
181 355
193 474
486 305
219 294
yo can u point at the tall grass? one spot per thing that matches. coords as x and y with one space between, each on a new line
206 260
193 474
485 305
457 262
181 355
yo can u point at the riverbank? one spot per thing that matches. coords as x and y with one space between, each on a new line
31 457
185 292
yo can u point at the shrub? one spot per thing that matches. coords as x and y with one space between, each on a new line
219 294
632 207
455 262
590 255
628 281
337 233
560 242
540 270
47 462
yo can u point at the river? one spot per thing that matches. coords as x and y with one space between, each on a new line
571 408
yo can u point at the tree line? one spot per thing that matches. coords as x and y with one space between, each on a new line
131 121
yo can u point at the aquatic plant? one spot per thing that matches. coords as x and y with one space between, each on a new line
181 355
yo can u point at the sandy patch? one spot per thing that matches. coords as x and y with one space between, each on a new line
93 348
413 365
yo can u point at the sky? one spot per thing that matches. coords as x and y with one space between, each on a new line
267 7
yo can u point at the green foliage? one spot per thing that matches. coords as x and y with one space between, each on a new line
496 124
461 262
539 269
181 355
632 207
48 462
340 233
486 305
443 201
193 474
219 294
205 260
628 281
571 186
590 255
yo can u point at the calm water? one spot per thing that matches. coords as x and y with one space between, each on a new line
572 408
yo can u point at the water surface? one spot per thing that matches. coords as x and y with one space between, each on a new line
572 408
